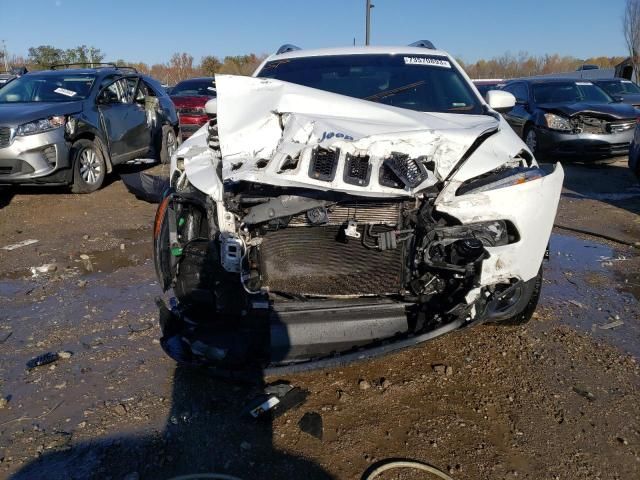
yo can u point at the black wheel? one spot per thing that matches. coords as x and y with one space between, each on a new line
523 299
89 167
530 137
168 145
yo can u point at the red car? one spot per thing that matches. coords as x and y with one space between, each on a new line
190 97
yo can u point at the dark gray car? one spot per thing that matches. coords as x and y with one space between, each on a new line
621 88
72 126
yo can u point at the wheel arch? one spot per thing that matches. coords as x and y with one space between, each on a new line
97 140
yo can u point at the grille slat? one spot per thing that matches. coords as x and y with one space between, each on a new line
323 164
5 136
357 170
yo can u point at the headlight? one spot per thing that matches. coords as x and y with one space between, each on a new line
556 122
500 179
40 126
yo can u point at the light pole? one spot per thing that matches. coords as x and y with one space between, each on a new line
368 34
4 55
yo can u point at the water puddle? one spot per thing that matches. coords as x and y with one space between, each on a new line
587 286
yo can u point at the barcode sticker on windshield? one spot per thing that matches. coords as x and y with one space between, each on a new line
64 91
430 62
584 83
627 81
211 88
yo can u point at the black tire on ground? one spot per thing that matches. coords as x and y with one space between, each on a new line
527 301
89 166
168 144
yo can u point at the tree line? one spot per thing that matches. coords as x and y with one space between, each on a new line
179 67
524 65
183 65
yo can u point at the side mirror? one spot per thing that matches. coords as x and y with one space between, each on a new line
618 99
211 107
500 101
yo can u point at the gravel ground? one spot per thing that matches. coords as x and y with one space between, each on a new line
556 399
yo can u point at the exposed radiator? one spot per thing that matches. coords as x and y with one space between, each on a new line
311 261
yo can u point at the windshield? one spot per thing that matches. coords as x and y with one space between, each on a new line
619 87
47 88
569 92
205 88
425 83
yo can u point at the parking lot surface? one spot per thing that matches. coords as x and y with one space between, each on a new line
558 398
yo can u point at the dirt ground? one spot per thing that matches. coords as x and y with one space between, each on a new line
556 399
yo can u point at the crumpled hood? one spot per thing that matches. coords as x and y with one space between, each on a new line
616 111
269 130
13 114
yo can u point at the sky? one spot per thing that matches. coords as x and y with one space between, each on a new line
151 31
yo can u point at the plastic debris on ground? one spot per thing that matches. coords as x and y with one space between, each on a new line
277 398
47 358
149 188
21 244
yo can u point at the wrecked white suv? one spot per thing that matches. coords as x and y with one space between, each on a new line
343 203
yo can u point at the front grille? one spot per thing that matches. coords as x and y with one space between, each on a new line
310 261
357 170
5 136
588 124
619 127
191 110
323 164
376 213
410 171
389 179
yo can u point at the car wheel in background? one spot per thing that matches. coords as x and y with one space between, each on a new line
89 167
169 144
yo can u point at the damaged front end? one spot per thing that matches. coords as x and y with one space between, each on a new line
337 229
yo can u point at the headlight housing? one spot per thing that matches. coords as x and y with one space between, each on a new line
40 126
500 179
556 122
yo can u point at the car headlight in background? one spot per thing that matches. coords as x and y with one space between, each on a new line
40 126
556 122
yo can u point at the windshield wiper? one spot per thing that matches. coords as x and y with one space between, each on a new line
393 91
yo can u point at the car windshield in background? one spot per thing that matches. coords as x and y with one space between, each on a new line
483 88
569 92
617 87
416 82
195 87
47 88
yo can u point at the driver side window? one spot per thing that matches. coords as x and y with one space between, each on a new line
115 93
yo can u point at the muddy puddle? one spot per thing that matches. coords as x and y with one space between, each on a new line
106 318
592 287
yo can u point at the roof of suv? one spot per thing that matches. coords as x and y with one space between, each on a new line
390 50
71 71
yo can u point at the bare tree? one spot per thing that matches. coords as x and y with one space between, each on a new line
631 28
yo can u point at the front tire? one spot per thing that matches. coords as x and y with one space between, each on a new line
524 300
89 167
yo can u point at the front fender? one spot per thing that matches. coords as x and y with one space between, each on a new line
531 207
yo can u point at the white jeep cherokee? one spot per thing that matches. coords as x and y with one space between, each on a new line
346 202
